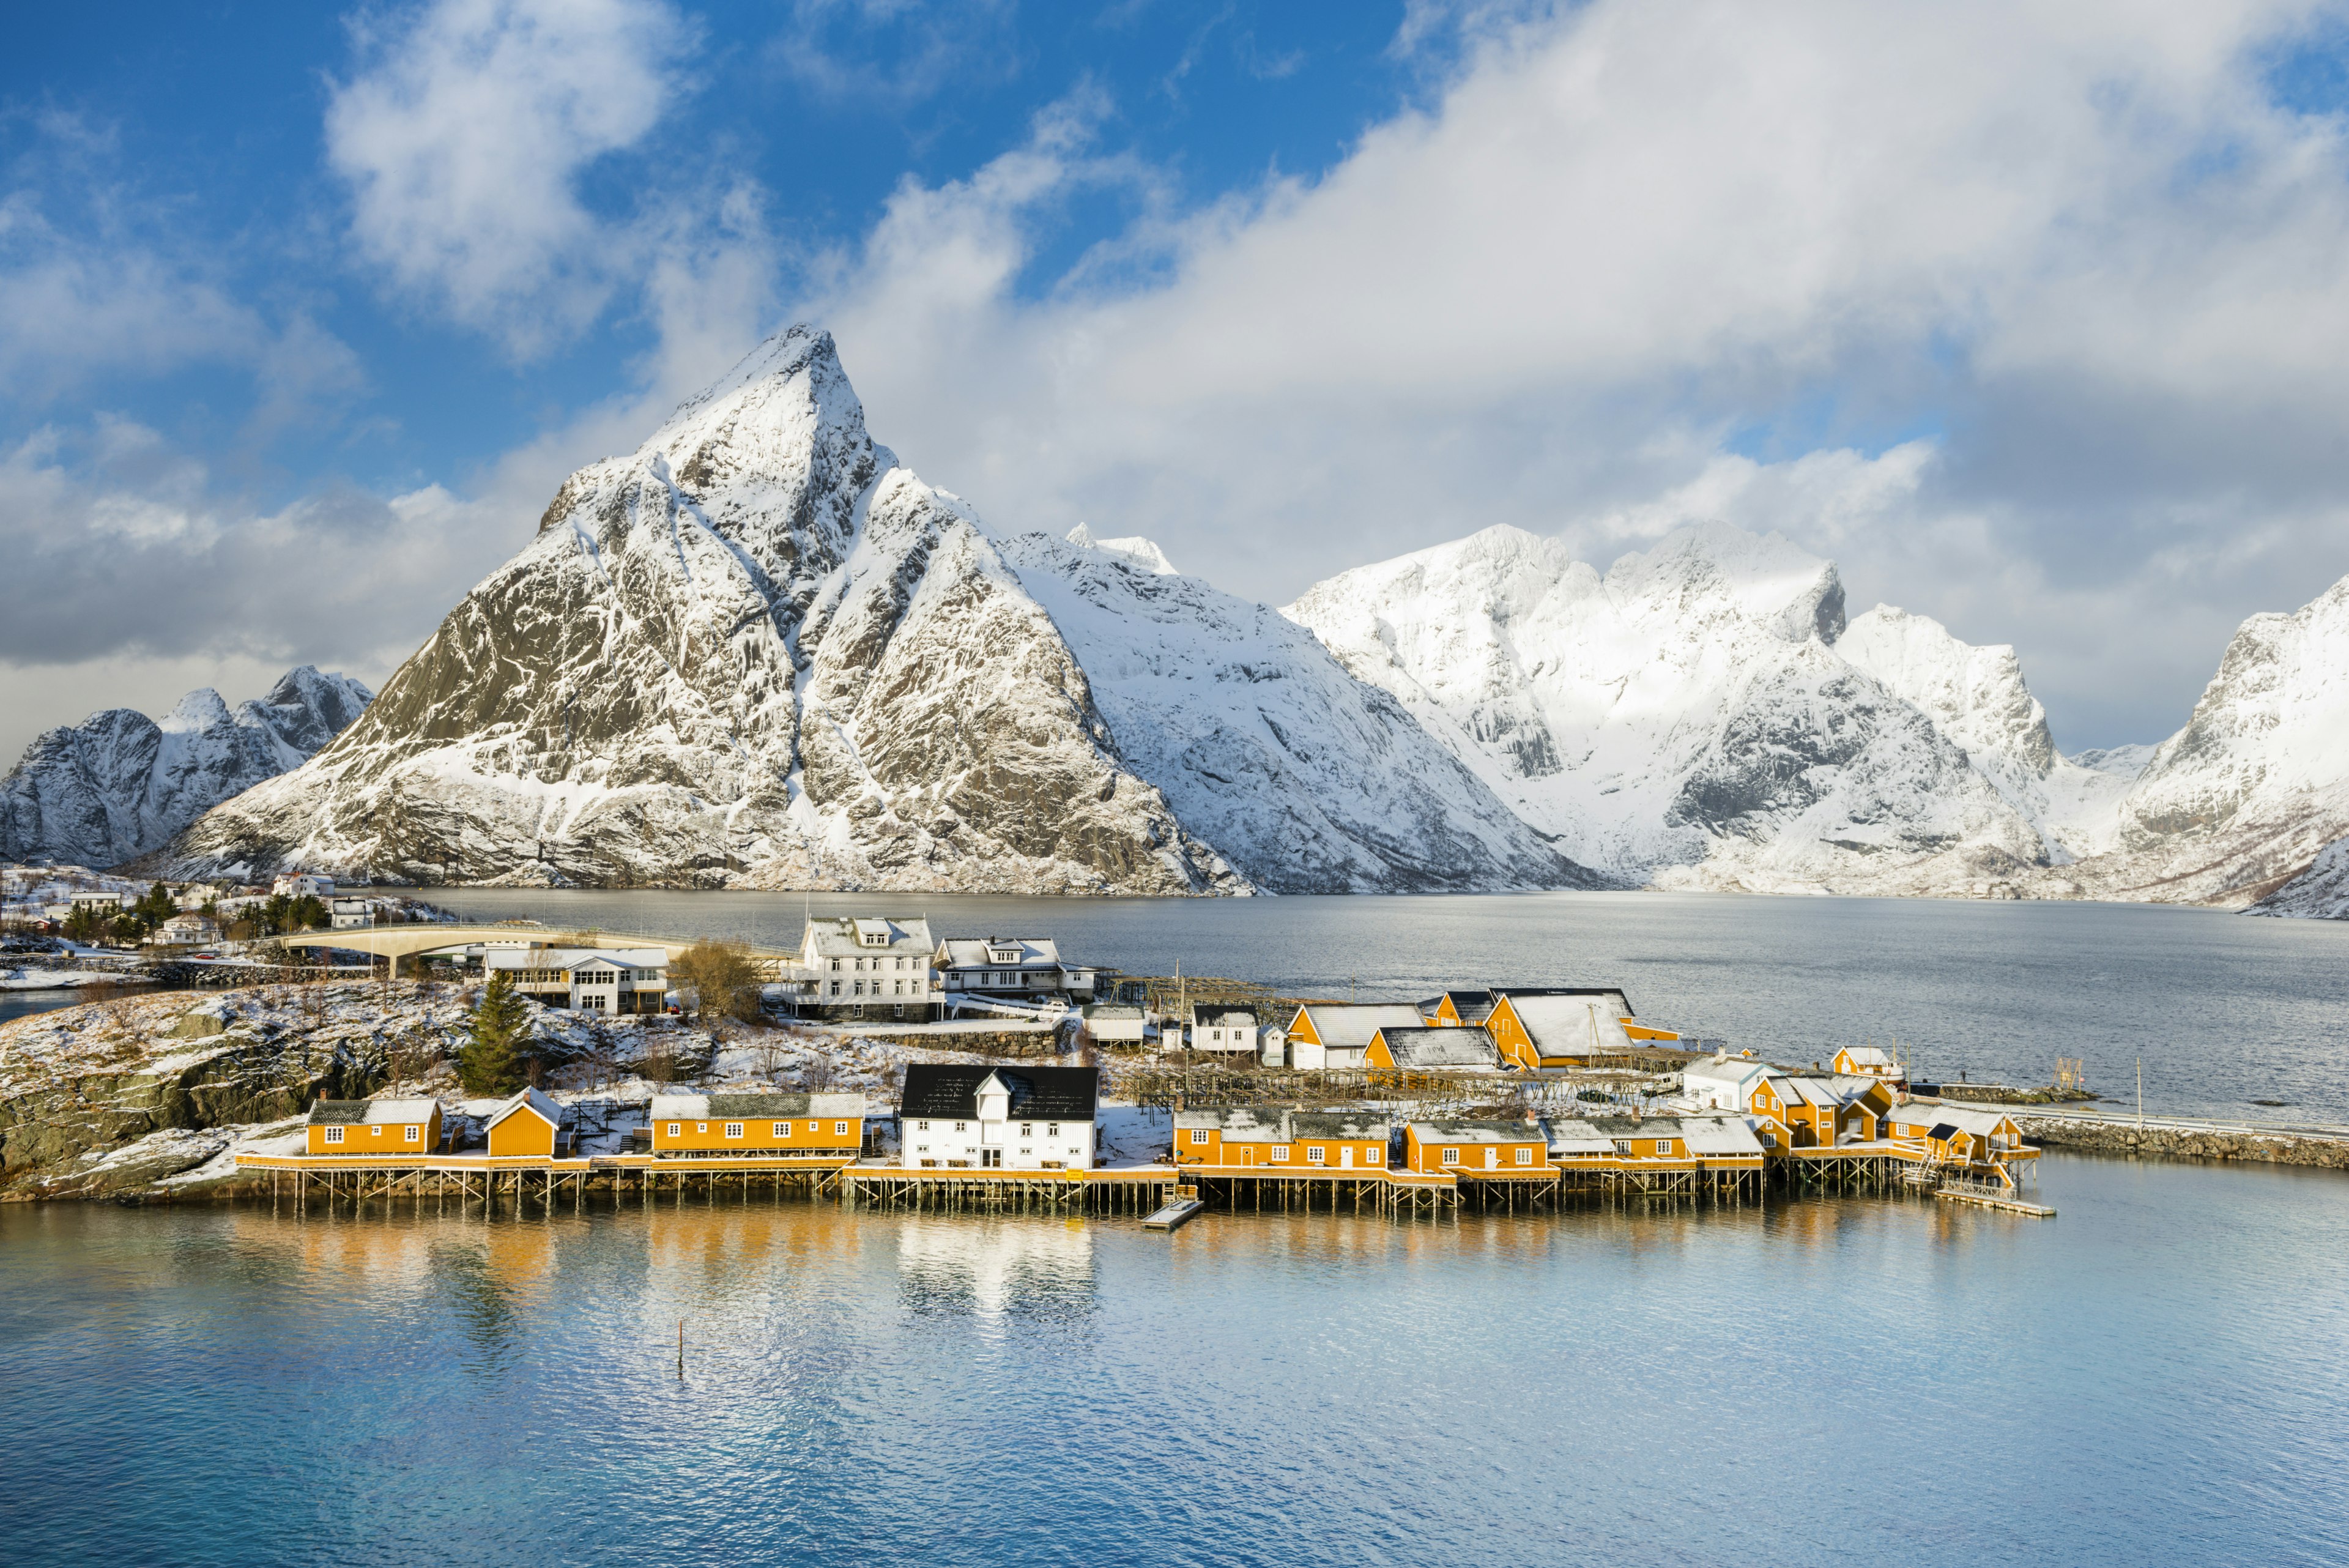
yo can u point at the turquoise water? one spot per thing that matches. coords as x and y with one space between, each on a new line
2222 1010
2158 1376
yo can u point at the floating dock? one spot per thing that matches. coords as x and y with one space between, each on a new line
1176 1215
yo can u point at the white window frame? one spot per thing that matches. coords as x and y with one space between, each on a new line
1280 1154
335 1134
782 1129
376 1131
733 1130
677 1129
1374 1156
1317 1155
1450 1156
1524 1156
701 1127
415 1135
1198 1136
840 1129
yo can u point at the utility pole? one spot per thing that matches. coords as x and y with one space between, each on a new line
2141 1094
1183 1027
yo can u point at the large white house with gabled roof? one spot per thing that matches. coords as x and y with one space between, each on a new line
869 966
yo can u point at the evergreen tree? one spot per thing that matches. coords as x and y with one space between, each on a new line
489 1065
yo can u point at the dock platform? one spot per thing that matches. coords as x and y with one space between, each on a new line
1176 1215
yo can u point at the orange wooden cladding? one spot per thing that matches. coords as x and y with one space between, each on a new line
759 1135
378 1137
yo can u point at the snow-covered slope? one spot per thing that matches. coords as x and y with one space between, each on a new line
1304 777
758 651
1685 719
2243 799
1977 698
2320 893
119 784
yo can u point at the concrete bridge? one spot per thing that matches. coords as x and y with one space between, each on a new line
396 942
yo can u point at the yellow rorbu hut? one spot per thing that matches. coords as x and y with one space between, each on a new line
815 1126
1243 1138
1978 1138
1474 1147
1561 1026
528 1126
353 1127
1422 1050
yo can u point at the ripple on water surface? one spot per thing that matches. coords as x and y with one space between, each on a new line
2155 1376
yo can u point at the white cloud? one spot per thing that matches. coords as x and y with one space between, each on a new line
2079 239
464 141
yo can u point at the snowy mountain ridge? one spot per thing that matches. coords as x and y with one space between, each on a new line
759 651
119 783
1704 715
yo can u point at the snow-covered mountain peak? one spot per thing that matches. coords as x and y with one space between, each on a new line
1142 553
1976 694
198 709
1766 578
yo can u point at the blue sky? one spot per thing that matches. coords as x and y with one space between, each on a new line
2032 320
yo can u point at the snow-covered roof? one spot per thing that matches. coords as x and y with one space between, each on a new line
359 1113
1249 1124
533 1100
1866 1056
1571 1137
839 936
1724 1136
1591 1024
1225 1013
1737 1071
701 1108
1965 1118
1347 1025
1002 952
1478 1132
574 958
1464 1046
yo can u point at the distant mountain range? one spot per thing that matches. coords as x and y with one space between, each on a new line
121 784
758 651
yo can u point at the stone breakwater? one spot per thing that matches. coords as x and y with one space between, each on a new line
2176 1142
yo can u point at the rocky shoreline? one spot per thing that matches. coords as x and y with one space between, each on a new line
2171 1141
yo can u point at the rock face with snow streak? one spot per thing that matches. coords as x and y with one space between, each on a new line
1977 698
2319 893
120 785
2242 801
758 651
1684 719
1305 778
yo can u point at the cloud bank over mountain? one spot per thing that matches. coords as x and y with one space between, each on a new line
2030 317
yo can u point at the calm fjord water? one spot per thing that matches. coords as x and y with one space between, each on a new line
2225 1010
2157 1377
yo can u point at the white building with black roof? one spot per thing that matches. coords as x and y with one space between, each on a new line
978 1117
1219 1026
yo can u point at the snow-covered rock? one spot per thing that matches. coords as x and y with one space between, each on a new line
2241 802
119 783
2319 893
1685 719
1307 779
1977 698
758 651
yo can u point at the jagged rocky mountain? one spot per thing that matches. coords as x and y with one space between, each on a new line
1262 742
758 651
1686 719
1704 715
119 784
